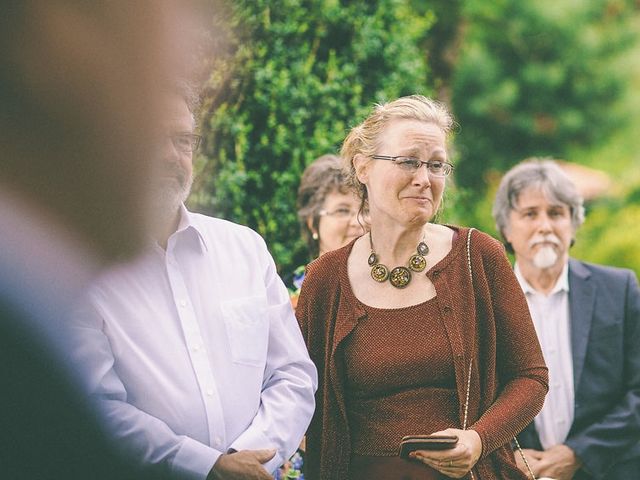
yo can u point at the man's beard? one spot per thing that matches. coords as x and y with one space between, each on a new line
547 254
545 257
169 194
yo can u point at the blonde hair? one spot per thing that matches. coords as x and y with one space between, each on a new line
365 138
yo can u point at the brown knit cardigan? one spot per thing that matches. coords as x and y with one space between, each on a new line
488 321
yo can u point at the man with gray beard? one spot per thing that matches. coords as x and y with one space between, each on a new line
81 83
587 318
193 351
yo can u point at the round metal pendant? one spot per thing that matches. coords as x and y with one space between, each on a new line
379 272
417 263
423 249
400 277
373 259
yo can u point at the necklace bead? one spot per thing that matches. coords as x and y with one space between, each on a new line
423 249
400 276
379 272
417 263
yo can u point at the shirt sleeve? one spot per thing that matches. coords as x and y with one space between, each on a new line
144 438
290 379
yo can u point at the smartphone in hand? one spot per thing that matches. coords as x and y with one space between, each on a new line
411 443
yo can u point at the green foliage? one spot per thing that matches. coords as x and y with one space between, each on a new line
302 73
523 77
551 78
610 234
537 78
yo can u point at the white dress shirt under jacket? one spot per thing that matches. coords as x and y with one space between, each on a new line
196 350
551 317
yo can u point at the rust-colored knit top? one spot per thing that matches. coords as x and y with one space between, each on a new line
399 373
487 326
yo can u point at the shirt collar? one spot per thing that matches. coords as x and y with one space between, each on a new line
189 223
562 284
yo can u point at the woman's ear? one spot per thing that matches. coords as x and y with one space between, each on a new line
310 226
361 166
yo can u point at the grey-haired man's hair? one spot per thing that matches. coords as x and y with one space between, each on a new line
541 173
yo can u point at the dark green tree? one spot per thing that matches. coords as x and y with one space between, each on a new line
300 74
536 78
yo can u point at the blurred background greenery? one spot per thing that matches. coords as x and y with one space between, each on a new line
523 78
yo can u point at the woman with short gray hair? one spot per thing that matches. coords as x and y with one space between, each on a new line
328 208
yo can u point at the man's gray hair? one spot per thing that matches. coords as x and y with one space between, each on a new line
542 173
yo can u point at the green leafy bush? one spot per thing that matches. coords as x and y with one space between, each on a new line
537 78
302 73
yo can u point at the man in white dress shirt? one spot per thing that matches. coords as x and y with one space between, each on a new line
194 351
587 318
77 79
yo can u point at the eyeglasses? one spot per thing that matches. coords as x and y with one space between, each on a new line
340 213
411 165
185 142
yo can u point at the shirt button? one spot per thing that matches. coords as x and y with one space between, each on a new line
447 309
183 303
436 273
196 347
218 441
210 392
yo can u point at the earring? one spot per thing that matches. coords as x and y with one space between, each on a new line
314 235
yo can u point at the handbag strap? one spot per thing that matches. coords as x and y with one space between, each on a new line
466 400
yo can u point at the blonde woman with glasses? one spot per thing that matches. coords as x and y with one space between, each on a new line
416 328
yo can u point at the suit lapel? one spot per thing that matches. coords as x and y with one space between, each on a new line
581 304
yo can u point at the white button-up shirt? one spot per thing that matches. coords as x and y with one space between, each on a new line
196 350
551 317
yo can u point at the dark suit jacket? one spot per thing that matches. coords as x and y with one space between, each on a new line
47 428
605 339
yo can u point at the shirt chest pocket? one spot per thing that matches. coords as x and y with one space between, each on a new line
247 329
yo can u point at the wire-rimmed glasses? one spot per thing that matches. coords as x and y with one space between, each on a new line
436 168
186 142
340 213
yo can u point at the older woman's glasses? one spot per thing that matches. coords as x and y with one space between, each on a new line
340 213
436 168
186 142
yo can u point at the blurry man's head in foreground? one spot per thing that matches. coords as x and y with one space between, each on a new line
175 150
81 88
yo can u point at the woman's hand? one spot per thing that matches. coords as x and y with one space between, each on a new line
458 461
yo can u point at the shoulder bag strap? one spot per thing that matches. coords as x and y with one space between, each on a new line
466 400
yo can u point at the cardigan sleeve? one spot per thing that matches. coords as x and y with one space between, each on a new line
312 324
521 371
308 313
